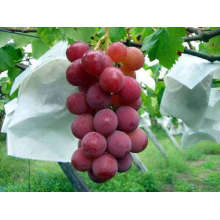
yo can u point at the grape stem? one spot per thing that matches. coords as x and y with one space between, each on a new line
104 38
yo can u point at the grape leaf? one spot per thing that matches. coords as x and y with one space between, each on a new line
13 72
50 35
9 56
117 33
67 32
5 85
159 90
21 41
156 71
83 34
163 45
212 47
38 48
4 38
140 31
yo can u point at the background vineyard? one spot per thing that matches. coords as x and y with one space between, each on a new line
20 47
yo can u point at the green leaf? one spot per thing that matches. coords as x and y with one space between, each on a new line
212 47
21 41
156 71
4 38
13 72
5 85
164 44
38 48
117 33
159 90
83 34
50 35
140 32
9 56
67 32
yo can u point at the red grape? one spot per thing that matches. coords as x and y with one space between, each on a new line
134 59
128 72
130 91
125 163
117 51
108 61
80 161
105 122
119 144
93 144
138 139
95 178
135 104
76 76
112 80
97 98
76 103
94 62
105 166
81 125
76 50
128 118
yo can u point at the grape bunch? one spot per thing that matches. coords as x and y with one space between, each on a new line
106 106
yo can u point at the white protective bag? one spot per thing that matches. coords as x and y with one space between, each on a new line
189 96
37 123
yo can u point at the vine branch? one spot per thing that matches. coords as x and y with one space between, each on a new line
205 56
27 30
201 35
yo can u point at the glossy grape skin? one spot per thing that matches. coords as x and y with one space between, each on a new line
128 118
105 122
77 76
112 80
117 51
134 59
76 103
80 161
76 50
81 125
125 163
94 62
108 61
119 144
93 144
130 91
105 166
139 140
97 98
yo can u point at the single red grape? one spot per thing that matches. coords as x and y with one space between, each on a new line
81 125
119 144
93 144
105 166
105 122
112 80
76 50
139 140
128 118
